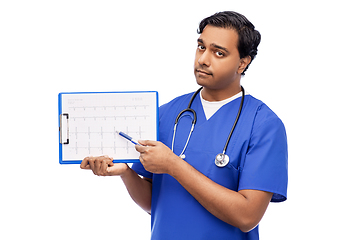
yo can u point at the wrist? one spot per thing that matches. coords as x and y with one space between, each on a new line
175 165
125 172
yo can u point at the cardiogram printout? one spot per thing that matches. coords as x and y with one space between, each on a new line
88 124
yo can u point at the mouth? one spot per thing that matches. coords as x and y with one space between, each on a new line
203 72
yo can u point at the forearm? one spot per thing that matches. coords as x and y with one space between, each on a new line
139 189
229 206
243 209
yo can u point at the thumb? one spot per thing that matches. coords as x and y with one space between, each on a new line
117 169
147 142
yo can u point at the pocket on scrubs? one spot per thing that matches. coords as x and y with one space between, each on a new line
204 162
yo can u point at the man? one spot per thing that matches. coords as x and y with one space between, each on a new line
190 197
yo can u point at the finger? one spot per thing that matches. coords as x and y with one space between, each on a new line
92 164
108 160
101 164
140 148
85 163
141 160
103 168
97 165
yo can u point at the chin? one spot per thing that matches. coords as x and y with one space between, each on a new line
200 82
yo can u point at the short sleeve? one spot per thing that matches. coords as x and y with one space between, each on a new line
139 169
266 163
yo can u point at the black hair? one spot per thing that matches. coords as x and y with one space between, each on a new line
249 38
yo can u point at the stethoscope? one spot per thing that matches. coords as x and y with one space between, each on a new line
221 160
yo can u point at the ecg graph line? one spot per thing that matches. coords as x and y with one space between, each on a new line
116 144
103 149
102 133
110 106
110 117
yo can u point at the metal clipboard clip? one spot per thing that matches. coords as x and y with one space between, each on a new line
64 128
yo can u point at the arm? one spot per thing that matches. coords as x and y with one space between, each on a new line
243 209
138 188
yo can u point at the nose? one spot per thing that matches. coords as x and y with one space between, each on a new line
204 58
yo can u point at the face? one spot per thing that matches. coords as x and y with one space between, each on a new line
218 66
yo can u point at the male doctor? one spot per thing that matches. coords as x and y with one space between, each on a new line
191 197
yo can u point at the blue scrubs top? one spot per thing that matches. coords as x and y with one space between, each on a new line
258 160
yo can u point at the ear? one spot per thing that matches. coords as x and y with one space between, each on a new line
243 64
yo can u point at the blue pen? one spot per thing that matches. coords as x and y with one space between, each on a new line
124 135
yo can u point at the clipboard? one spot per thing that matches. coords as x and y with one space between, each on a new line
89 121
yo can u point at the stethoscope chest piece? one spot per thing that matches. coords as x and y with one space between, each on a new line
221 160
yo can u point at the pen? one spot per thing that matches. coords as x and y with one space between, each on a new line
124 135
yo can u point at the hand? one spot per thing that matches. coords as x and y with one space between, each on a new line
104 166
155 156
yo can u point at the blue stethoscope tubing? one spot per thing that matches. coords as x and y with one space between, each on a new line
221 160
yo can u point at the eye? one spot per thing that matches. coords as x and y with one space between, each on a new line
219 54
201 47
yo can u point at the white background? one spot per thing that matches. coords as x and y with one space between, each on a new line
306 71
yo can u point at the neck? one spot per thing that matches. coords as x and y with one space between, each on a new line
213 95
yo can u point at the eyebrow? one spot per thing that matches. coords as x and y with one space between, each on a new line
214 45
